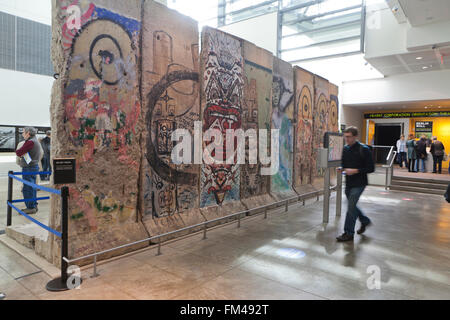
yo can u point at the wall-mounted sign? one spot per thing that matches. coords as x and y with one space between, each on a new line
64 171
424 126
392 115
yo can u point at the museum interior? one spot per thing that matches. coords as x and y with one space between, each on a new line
224 150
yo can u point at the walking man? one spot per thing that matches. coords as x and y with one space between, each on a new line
46 167
30 154
357 162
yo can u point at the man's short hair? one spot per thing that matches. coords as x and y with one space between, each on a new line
434 138
30 130
352 130
48 132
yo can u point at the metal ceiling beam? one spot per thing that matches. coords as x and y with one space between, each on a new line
322 43
357 21
288 23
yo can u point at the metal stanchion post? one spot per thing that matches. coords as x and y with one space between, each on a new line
239 220
10 196
326 196
60 284
265 213
95 274
287 206
159 247
339 195
204 232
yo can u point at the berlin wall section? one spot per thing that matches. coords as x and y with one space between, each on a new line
130 75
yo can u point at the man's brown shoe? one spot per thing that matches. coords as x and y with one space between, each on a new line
344 237
363 228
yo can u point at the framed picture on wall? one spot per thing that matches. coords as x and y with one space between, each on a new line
7 139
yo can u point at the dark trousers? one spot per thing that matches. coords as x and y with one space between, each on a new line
27 191
353 194
401 159
46 167
437 163
412 165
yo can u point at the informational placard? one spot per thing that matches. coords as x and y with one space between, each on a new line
64 171
424 126
334 142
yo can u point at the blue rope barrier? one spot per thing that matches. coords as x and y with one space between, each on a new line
56 233
31 173
26 200
35 186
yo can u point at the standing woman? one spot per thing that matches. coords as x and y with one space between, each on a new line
411 146
401 149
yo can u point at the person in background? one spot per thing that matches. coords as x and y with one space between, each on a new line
401 149
411 145
357 162
421 151
46 167
437 150
30 154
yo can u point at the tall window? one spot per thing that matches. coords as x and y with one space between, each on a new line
25 45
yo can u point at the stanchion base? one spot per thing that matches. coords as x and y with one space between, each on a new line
57 284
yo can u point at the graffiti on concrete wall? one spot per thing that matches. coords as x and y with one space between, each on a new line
100 106
255 115
171 105
222 91
101 111
282 117
171 86
321 120
304 139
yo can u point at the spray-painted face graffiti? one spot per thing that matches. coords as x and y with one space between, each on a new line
100 106
223 90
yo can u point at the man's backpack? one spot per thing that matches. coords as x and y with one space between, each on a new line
363 157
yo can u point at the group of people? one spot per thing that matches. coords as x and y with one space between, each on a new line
29 153
413 153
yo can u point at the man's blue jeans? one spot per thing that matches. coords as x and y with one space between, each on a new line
353 194
27 191
46 167
423 165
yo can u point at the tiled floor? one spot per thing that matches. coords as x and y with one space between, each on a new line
288 256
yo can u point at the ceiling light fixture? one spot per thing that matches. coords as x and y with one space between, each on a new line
424 67
419 58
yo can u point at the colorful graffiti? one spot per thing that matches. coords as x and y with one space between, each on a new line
255 115
171 85
282 117
101 109
304 138
223 82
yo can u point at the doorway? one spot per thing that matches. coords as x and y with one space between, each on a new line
386 134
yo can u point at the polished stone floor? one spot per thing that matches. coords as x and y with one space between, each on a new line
288 256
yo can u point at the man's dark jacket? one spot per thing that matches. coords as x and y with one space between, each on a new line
45 143
358 156
421 149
